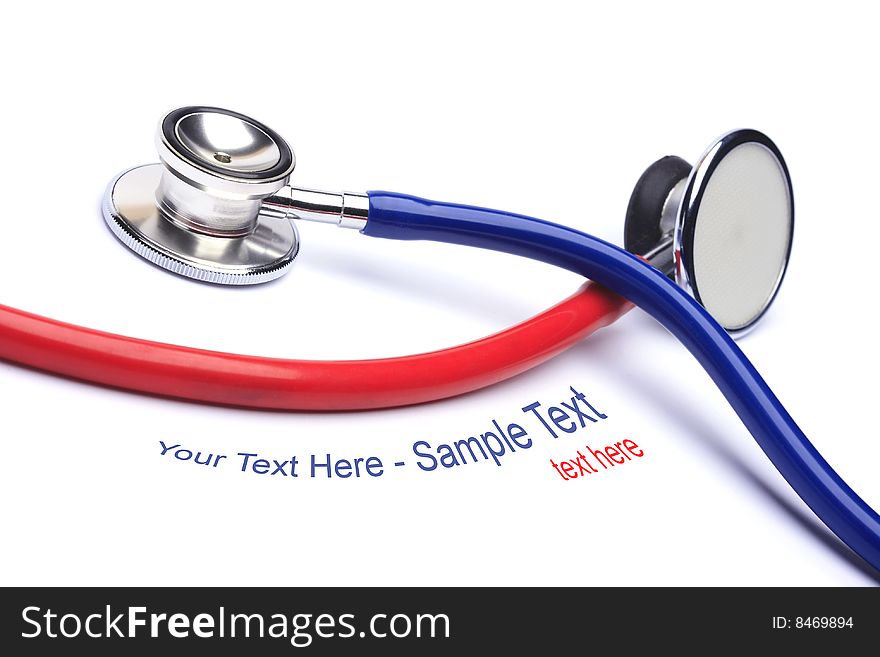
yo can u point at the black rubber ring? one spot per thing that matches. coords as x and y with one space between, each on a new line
170 136
641 231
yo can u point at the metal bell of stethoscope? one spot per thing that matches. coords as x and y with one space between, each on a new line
218 207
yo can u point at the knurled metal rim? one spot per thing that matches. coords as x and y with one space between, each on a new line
153 253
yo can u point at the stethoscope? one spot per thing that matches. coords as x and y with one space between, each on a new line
218 208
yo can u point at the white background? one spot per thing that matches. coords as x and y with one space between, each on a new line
546 109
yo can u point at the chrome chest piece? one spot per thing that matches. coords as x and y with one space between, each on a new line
722 228
217 208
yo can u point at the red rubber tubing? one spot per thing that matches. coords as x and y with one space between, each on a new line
301 385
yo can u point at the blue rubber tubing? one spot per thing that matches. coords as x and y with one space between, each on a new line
403 217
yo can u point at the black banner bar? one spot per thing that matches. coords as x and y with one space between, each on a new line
407 621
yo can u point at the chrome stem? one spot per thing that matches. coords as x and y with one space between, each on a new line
345 209
662 256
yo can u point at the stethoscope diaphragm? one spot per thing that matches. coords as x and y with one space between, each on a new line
722 228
